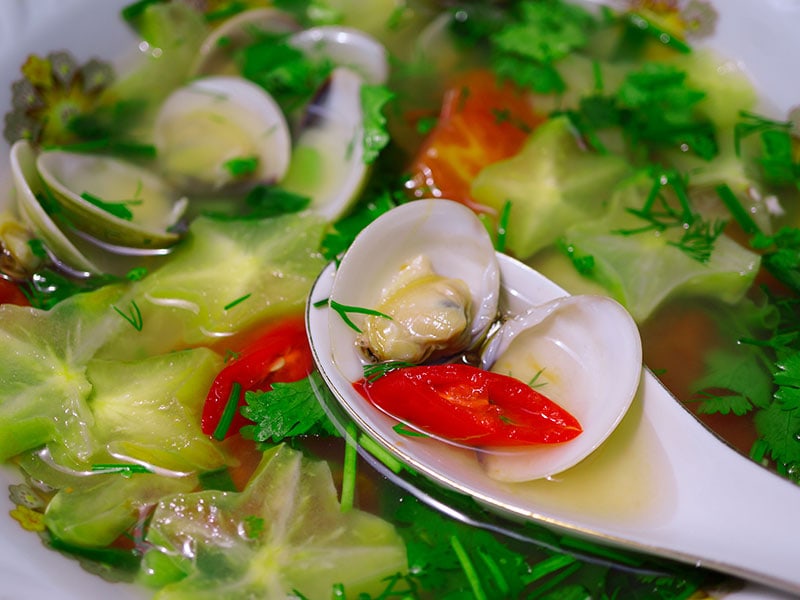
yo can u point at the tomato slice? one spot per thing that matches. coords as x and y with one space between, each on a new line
281 354
481 121
10 293
470 406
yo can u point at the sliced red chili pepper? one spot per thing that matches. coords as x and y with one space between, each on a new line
471 406
482 120
282 354
10 293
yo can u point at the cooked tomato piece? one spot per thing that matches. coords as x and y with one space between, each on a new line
482 120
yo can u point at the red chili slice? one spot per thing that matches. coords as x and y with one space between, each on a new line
282 354
470 406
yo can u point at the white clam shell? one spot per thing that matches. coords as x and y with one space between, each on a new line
328 153
587 353
345 47
212 120
154 205
27 184
462 249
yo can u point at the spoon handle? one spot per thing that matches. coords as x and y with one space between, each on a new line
729 514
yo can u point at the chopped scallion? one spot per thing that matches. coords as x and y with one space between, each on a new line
231 406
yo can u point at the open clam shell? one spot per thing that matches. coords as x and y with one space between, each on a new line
327 163
448 234
27 186
585 354
205 127
114 201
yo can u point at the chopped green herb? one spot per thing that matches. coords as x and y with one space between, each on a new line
469 569
404 429
344 310
238 300
502 227
740 215
134 317
125 469
37 247
284 71
375 371
136 274
254 526
231 406
242 166
118 209
373 101
638 21
349 469
265 201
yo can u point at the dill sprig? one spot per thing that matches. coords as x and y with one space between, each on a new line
374 371
660 214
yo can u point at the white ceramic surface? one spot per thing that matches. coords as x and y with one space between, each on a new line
760 34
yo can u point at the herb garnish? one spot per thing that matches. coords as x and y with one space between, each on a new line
118 209
660 214
125 469
287 410
344 310
134 316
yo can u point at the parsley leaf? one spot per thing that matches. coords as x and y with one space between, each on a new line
287 410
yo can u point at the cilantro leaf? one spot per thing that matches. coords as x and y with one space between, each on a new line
747 383
777 427
284 71
525 49
547 31
783 259
287 410
376 135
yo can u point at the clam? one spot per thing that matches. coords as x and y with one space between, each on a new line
584 351
114 201
28 187
218 49
327 163
391 248
221 132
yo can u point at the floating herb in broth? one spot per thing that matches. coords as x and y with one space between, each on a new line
652 152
